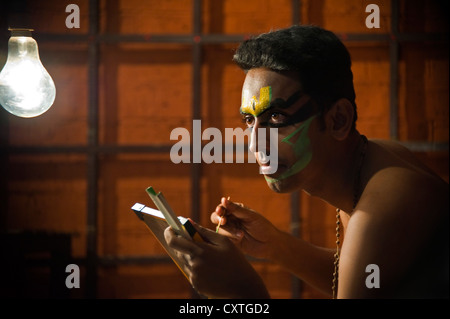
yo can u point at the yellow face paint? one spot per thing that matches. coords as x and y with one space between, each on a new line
254 106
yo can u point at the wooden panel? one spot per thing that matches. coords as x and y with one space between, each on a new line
423 16
423 92
277 280
370 66
221 87
145 93
248 17
146 17
47 193
50 16
149 281
345 16
122 183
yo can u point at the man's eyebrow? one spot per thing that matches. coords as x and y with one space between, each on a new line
280 103
263 112
303 113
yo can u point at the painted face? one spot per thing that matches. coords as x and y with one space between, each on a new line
293 115
300 143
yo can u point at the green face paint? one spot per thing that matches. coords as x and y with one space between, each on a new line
302 150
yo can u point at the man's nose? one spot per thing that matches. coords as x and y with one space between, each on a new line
259 139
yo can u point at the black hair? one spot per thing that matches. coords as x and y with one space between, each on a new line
320 59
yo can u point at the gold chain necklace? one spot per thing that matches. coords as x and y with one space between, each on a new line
356 196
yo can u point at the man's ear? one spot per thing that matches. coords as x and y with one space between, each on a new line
339 119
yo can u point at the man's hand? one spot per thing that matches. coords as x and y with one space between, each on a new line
249 230
216 267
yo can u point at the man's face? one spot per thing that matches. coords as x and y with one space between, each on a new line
272 99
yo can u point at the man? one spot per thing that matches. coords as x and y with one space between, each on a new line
393 210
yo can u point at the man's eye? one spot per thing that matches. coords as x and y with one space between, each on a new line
276 117
248 120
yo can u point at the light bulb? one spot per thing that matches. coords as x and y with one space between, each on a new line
26 88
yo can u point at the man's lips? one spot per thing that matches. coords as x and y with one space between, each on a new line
266 169
268 165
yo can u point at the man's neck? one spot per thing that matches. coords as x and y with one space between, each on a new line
340 173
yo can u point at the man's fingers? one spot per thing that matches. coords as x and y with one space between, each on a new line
234 235
226 228
207 234
226 208
237 209
216 218
179 243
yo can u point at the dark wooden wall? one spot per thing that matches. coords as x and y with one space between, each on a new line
136 70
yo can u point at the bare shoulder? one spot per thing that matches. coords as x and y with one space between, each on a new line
397 181
402 190
388 153
401 225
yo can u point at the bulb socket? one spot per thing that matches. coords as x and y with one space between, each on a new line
20 32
